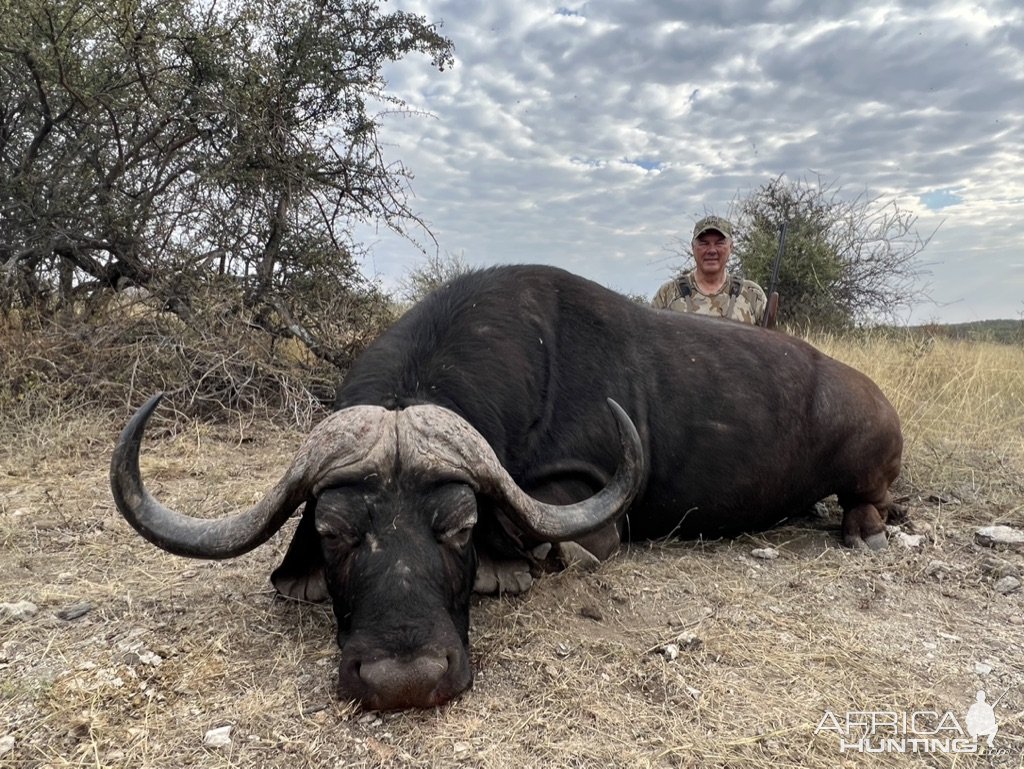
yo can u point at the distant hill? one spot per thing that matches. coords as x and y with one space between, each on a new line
1002 331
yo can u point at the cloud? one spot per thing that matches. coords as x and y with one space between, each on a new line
592 134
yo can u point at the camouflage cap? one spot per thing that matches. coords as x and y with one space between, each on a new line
708 223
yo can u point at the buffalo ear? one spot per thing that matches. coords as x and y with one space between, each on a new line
301 574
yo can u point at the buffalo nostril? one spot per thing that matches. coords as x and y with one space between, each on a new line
399 683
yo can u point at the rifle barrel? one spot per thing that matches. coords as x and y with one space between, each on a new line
773 296
778 257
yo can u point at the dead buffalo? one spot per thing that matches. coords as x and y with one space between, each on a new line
477 429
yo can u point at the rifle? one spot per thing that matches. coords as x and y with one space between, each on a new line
772 310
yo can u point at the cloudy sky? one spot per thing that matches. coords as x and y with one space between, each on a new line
591 135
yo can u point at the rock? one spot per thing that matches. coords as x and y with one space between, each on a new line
686 641
1000 536
997 567
218 738
6 744
765 553
982 668
1007 585
689 641
937 569
142 657
590 611
920 527
75 611
19 610
910 541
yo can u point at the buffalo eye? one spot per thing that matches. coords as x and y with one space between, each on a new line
335 522
342 535
458 537
454 515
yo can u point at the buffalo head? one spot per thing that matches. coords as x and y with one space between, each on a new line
394 498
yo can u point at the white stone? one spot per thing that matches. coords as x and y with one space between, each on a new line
150 658
218 738
689 641
910 541
1007 585
19 610
6 744
991 536
765 553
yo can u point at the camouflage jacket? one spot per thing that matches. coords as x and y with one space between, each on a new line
738 299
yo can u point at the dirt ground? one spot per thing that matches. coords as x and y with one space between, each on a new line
671 655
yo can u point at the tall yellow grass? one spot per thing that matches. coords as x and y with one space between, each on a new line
961 404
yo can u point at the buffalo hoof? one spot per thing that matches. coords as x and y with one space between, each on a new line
872 542
877 542
574 555
497 577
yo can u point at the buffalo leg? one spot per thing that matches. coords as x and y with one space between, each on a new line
301 573
564 485
864 526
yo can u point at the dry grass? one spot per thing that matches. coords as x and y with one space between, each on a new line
217 366
568 675
962 408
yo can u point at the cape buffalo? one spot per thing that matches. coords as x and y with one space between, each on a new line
476 429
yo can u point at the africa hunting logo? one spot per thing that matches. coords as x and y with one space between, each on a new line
918 731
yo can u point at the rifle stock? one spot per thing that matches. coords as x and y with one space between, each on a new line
772 311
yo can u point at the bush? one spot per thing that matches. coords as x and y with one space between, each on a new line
216 364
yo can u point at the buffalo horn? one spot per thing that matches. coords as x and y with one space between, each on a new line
441 443
346 446
357 443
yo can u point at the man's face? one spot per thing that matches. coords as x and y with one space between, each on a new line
711 250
